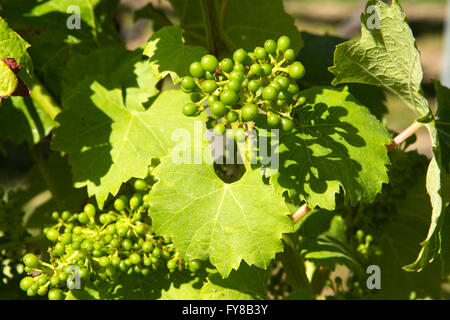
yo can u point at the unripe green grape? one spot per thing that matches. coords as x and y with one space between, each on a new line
122 231
293 88
281 102
234 85
65 215
59 249
135 201
270 46
127 244
196 69
232 116
218 109
287 125
54 280
229 97
283 43
297 70
253 86
42 291
188 83
171 265
87 245
237 76
55 215
194 265
140 185
260 53
77 230
219 129
269 93
255 69
42 280
103 262
244 82
147 247
156 252
31 292
283 82
115 261
31 261
209 86
240 55
276 85
62 276
273 121
103 219
189 109
145 271
239 67
135 258
89 210
369 238
249 112
147 261
266 69
55 294
360 235
226 65
209 63
66 238
52 235
289 54
26 283
211 99
83 218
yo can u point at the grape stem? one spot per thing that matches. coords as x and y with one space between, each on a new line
399 139
405 134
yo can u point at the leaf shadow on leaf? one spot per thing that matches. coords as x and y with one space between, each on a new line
313 154
14 124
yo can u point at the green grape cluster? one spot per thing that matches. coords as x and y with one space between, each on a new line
101 245
236 91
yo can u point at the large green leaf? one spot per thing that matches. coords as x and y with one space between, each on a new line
399 239
339 144
22 119
385 56
438 181
44 24
246 283
119 66
248 23
211 219
324 241
317 57
169 54
108 143
245 23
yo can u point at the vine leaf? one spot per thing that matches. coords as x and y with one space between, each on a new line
45 25
386 56
317 56
246 283
119 66
324 241
170 55
13 57
109 143
208 218
250 22
438 181
399 241
338 144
